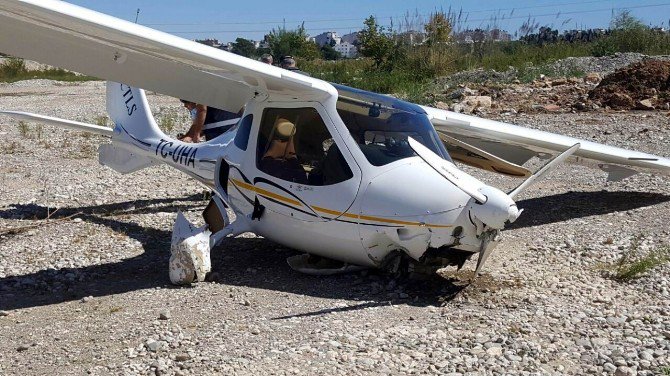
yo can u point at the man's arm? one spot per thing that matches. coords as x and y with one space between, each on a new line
193 134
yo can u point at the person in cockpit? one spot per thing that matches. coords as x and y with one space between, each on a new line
280 159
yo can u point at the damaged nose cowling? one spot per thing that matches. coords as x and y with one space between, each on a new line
498 209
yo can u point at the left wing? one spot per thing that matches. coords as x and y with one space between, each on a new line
75 38
518 145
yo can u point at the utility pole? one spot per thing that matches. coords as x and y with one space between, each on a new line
137 15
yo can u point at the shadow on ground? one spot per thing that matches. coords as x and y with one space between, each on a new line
259 263
572 205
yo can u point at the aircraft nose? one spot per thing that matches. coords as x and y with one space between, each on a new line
498 210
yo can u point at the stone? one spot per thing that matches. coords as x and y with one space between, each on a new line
592 78
551 108
463 92
87 299
494 351
22 348
559 82
609 367
480 101
624 371
4 313
442 106
164 315
618 100
645 104
182 357
153 345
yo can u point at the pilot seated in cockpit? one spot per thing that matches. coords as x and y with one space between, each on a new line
280 159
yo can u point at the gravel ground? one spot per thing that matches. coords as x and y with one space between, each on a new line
88 291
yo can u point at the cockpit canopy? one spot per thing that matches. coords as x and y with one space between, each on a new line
381 124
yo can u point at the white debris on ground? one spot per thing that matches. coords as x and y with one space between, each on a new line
88 290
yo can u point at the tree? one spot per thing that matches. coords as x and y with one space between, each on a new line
375 42
438 29
329 53
244 47
626 21
285 42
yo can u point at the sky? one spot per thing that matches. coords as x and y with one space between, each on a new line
252 19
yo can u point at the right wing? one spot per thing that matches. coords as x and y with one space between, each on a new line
79 39
517 145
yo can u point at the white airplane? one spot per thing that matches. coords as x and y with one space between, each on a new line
337 172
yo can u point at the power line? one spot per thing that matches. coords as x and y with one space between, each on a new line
468 20
361 19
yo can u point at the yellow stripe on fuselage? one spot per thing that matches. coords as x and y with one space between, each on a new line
335 213
267 193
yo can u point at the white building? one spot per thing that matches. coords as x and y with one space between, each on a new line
346 49
329 37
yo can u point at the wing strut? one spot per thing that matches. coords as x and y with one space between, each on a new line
544 170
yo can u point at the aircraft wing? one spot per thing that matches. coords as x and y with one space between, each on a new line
78 39
517 145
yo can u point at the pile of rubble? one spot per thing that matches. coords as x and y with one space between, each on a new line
643 86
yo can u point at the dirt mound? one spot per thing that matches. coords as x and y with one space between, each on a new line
644 85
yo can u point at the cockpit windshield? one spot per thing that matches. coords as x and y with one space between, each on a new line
381 125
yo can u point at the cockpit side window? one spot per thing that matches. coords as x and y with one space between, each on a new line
295 145
243 131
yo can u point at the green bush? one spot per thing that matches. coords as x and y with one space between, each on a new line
14 69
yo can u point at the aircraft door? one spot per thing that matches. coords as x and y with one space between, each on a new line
302 168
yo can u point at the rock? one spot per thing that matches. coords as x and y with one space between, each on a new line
87 299
463 92
623 101
153 345
461 108
624 371
182 357
592 78
559 82
609 367
164 315
22 348
494 351
645 104
551 108
478 101
442 106
4 313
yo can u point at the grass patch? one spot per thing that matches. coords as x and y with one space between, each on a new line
13 148
633 265
24 129
14 69
102 121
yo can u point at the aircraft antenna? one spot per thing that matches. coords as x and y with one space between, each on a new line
137 15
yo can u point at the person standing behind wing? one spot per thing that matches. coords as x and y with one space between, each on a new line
209 122
267 59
